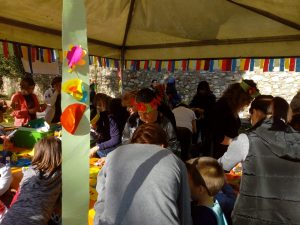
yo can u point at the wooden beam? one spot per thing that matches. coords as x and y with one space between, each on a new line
49 31
268 15
129 18
218 42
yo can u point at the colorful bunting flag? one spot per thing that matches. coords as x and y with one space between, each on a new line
16 50
158 65
198 65
266 65
146 65
286 63
211 65
242 64
271 65
262 63
5 49
292 64
30 59
33 54
10 49
137 65
247 63
297 65
24 52
281 64
206 64
233 65
252 65
184 65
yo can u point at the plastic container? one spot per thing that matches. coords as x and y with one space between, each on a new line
26 137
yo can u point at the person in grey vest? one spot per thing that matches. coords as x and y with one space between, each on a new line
295 106
270 184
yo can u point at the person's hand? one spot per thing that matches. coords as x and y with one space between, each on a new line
32 111
43 107
100 162
93 151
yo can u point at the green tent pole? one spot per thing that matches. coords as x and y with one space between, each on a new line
75 147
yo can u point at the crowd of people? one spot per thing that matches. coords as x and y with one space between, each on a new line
151 172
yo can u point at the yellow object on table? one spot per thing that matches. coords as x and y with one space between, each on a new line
94 170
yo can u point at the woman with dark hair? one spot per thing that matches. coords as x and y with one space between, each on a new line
271 174
119 112
130 188
105 130
25 103
202 103
225 122
238 149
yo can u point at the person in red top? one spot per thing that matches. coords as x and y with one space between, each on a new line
24 103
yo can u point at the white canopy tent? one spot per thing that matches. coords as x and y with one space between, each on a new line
164 29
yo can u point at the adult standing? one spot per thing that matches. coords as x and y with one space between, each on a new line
202 103
270 188
295 106
225 121
25 103
172 93
186 127
53 100
238 149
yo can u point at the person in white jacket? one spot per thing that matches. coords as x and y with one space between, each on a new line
53 100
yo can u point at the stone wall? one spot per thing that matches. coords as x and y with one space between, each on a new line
284 84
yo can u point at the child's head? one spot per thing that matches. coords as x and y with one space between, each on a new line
27 85
47 155
206 177
150 133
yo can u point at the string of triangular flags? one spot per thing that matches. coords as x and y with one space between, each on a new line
243 64
104 62
48 55
30 53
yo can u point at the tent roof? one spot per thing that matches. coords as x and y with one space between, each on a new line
168 29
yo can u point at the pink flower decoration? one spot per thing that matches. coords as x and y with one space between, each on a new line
75 57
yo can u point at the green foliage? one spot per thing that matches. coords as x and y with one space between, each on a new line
11 67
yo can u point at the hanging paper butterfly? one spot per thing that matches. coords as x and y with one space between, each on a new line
75 56
71 117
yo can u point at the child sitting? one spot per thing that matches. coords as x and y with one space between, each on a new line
40 189
206 178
